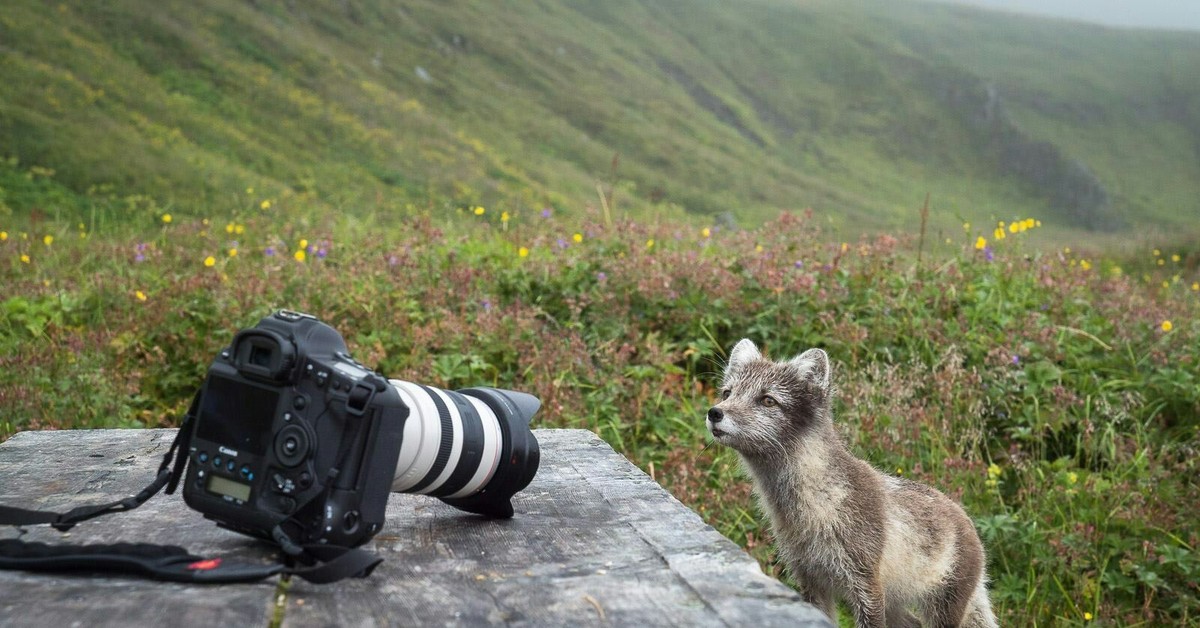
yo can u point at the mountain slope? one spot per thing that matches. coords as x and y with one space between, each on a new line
733 108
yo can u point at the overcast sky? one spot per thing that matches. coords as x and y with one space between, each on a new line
1169 14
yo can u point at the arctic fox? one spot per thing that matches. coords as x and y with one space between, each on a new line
882 544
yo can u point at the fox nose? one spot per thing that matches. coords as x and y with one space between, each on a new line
715 414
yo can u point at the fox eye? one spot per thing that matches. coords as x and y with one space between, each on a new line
768 401
725 393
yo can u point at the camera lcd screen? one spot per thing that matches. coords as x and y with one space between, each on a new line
237 415
229 488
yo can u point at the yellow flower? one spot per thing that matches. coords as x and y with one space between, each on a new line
522 252
229 227
845 247
141 296
166 218
24 258
758 248
1072 477
1175 258
980 243
1037 223
210 261
1196 286
3 236
998 233
1157 252
578 237
899 471
249 190
1166 284
650 244
232 252
265 204
1014 227
1066 250
504 216
1167 326
303 243
1087 616
967 226
994 471
299 255
1161 262
705 232
1084 264
479 211
48 240
239 229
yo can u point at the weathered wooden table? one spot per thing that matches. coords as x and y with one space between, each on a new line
595 542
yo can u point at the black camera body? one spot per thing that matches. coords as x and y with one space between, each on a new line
292 433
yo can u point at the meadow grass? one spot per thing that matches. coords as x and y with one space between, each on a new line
1053 392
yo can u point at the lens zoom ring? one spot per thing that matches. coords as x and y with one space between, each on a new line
444 447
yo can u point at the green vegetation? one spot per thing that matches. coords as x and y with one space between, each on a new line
548 199
1054 394
736 109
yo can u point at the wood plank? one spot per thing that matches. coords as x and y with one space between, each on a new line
595 541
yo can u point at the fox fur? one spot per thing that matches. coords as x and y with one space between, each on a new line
884 545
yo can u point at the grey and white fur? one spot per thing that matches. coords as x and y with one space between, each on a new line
884 545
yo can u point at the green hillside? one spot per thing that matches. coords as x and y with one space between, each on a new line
729 109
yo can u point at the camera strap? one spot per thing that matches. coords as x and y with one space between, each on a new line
163 562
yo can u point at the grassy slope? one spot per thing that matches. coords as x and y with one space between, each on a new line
715 107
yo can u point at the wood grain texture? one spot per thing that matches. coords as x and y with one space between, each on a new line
594 542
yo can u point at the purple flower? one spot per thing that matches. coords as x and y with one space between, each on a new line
562 244
546 212
393 260
270 251
601 276
1016 359
321 252
486 305
798 264
987 253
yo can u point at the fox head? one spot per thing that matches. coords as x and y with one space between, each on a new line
767 405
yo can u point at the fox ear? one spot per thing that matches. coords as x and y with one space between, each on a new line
812 366
744 351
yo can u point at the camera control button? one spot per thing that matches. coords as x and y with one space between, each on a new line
202 457
287 504
299 402
216 461
305 479
230 466
322 377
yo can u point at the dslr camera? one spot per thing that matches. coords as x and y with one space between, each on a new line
293 438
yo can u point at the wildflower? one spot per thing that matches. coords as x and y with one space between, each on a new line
229 227
1037 223
1015 227
479 211
166 218
799 264
845 247
48 240
299 255
758 248
1161 261
322 252
1196 286
988 254
578 237
1066 250
265 205
649 244
523 252
1084 264
899 471
504 216
303 244
561 243
233 252
980 242
1175 258
249 191
141 296
1167 326
210 261
998 233
1016 360
1072 477
1166 284
705 232
24 258
546 212
3 236
239 229
1157 253
269 251
601 276
967 227
1087 616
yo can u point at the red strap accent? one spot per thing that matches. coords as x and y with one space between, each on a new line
205 565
